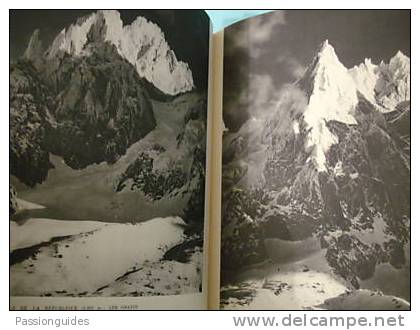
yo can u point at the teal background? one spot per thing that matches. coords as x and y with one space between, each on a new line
224 18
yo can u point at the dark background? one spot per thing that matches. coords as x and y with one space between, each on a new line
186 31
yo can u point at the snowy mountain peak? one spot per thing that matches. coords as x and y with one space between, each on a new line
365 76
332 95
384 85
325 44
400 57
327 74
368 64
332 92
34 49
141 43
327 52
399 65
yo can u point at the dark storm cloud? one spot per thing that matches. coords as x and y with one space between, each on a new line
186 31
288 42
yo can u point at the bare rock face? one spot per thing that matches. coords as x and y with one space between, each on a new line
30 101
87 110
102 107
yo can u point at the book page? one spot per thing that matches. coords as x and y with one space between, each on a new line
108 149
316 161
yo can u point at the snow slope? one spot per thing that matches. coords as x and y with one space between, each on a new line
365 300
83 263
142 43
291 291
164 277
37 231
333 97
293 285
308 283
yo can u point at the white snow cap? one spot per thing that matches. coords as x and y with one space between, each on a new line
365 76
333 97
142 43
384 85
333 94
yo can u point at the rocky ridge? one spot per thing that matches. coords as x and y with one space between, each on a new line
142 44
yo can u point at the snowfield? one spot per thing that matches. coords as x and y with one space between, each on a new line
365 300
158 278
289 290
291 284
89 256
306 284
37 231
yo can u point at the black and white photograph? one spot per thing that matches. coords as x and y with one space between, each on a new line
316 161
108 117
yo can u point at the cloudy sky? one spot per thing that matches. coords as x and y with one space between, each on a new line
187 32
264 53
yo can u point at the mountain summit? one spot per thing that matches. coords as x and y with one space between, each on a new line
332 95
334 92
142 43
384 85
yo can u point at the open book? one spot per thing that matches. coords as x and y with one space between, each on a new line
155 165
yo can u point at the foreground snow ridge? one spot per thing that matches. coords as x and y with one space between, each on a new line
142 43
92 255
